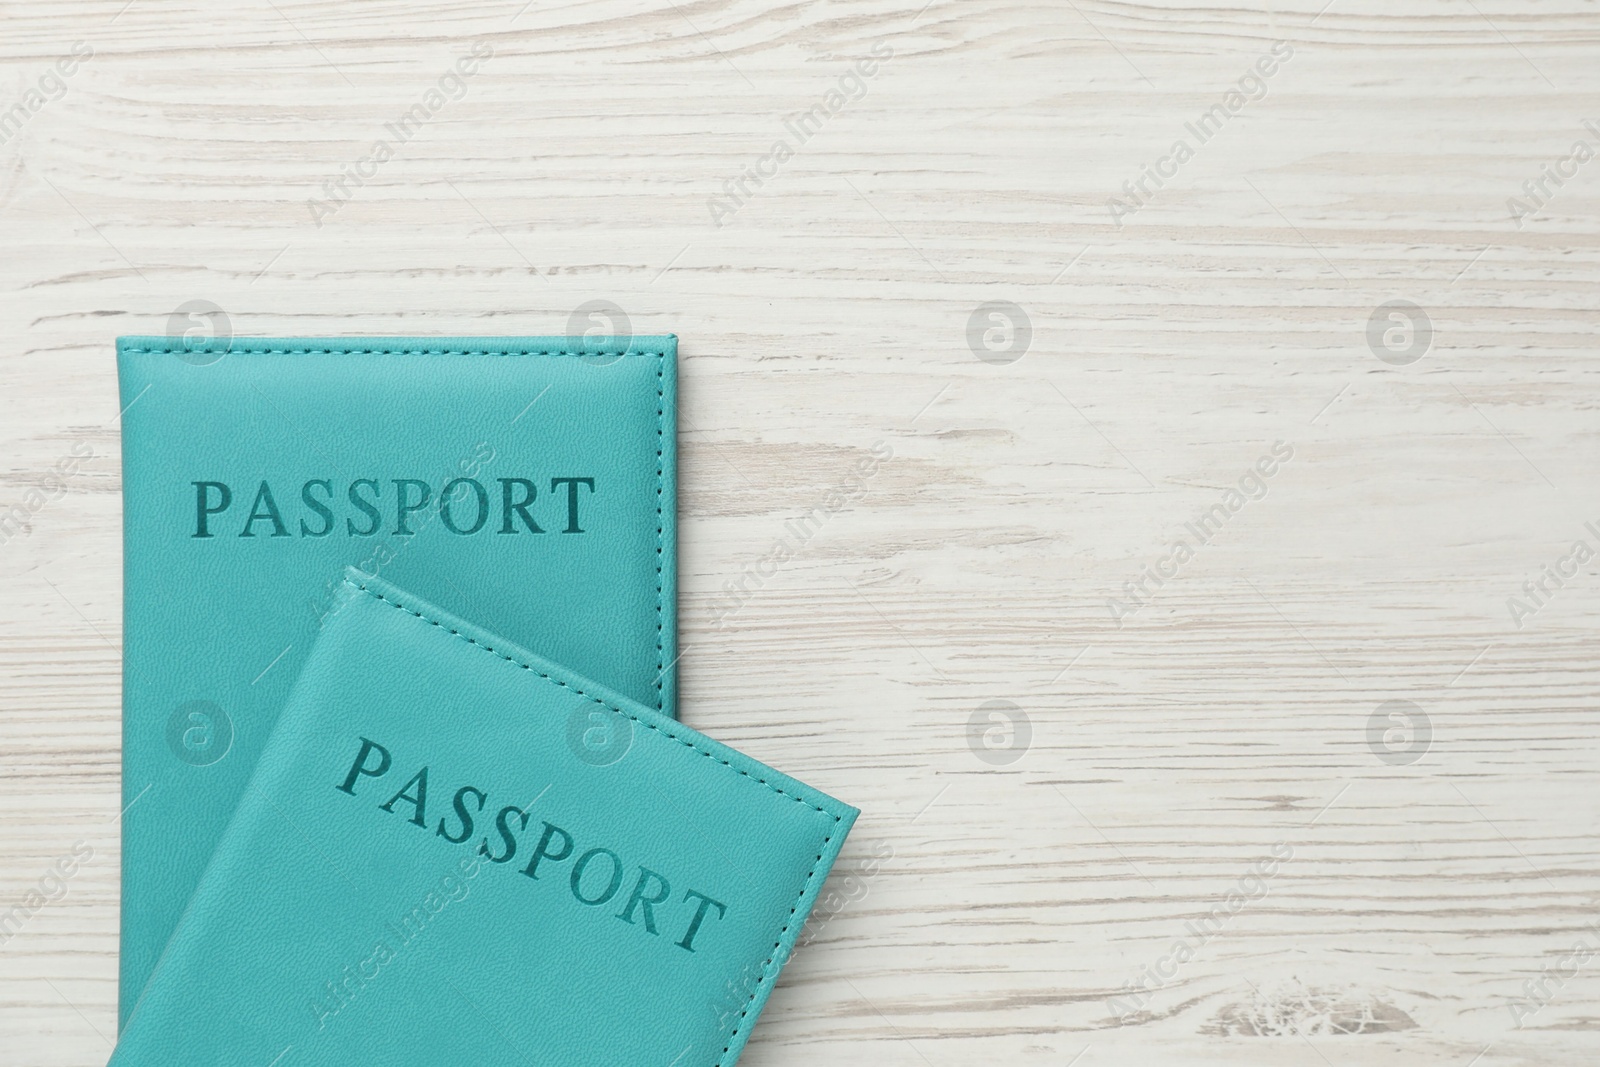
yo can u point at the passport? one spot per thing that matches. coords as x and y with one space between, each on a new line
455 851
529 483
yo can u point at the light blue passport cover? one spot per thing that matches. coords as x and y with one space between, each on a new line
456 852
526 482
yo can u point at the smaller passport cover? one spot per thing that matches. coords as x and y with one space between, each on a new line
453 851
528 483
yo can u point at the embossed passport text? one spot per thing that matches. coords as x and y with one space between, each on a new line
453 851
528 480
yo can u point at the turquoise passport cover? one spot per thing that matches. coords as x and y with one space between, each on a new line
456 852
527 483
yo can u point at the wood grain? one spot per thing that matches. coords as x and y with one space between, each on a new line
827 315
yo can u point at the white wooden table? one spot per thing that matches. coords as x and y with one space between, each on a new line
1406 889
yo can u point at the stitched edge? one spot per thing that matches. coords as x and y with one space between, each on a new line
661 439
393 352
767 974
661 358
587 696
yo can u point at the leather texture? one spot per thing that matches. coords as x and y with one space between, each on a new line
255 472
352 915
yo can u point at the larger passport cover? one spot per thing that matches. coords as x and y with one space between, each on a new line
456 852
528 483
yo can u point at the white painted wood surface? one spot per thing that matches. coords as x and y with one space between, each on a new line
1421 901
